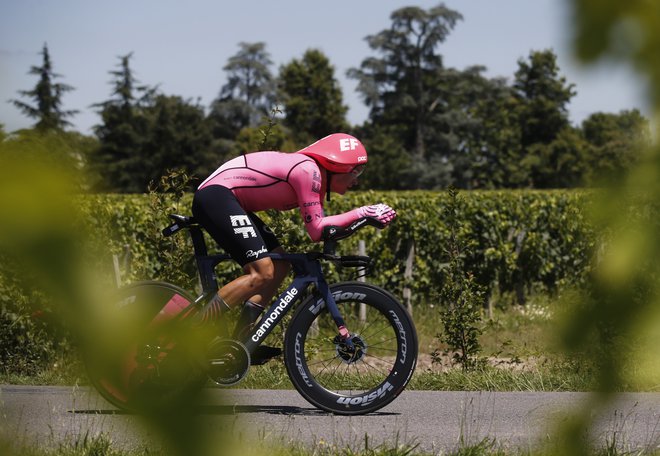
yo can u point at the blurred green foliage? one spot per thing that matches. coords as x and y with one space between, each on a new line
618 324
50 293
39 246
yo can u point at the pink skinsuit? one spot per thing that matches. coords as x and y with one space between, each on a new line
278 180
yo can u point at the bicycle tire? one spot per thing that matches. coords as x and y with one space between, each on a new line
138 314
375 374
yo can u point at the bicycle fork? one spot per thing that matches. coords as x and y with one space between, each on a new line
331 304
333 309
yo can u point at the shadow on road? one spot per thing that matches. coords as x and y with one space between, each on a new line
234 410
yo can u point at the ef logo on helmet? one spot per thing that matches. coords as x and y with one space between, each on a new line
348 144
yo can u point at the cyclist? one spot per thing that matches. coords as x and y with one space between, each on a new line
226 202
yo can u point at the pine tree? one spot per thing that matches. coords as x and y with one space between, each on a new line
122 132
145 134
47 97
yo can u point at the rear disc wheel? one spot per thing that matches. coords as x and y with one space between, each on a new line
136 360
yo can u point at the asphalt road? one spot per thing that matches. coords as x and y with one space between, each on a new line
435 421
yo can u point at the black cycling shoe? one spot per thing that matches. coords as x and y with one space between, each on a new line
263 353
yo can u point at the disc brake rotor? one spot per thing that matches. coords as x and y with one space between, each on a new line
350 353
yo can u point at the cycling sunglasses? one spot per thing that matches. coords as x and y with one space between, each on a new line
357 170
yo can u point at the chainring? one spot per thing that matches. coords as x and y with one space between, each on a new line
228 361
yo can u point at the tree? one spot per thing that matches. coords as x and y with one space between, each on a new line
389 163
144 134
486 129
543 95
47 96
248 94
401 86
249 76
614 142
126 90
312 98
560 164
122 132
178 137
228 117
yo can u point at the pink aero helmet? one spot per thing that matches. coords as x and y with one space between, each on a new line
338 153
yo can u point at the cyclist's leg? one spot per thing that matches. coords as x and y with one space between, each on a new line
258 275
281 270
262 277
246 238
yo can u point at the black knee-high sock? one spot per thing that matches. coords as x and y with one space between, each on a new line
249 314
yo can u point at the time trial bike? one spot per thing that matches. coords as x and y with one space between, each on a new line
350 347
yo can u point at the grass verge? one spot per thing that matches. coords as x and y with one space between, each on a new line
519 352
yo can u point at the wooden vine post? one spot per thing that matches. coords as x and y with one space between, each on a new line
407 276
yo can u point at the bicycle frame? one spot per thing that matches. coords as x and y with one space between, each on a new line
307 270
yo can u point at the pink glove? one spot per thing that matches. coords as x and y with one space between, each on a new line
381 212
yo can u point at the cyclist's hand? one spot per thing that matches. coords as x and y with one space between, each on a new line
380 212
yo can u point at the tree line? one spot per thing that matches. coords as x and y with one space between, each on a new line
429 126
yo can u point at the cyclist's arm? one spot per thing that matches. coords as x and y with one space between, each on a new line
306 181
315 227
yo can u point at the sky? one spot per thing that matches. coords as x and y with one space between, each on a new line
182 46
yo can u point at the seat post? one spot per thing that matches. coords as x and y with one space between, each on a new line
205 265
198 241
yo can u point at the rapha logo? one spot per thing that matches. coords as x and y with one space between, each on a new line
244 226
256 253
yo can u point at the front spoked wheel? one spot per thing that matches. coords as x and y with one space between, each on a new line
357 377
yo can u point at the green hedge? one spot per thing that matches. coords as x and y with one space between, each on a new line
513 240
